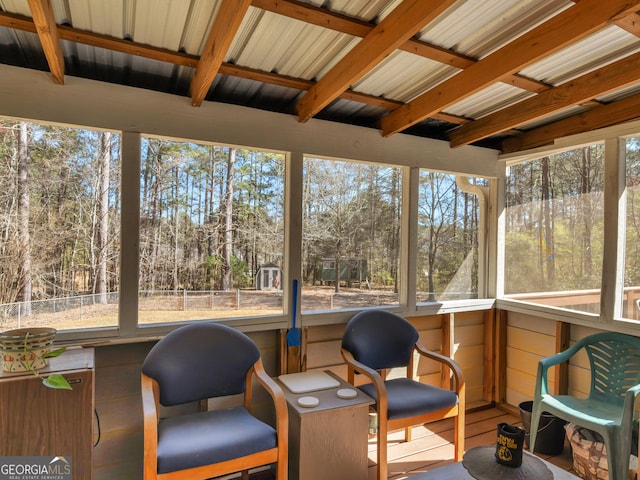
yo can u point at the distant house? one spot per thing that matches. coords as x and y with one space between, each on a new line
269 277
352 271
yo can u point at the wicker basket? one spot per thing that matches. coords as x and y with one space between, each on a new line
590 454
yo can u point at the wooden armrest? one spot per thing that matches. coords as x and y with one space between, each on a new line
276 393
370 373
150 413
449 362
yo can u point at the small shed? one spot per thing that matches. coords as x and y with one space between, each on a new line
269 277
352 270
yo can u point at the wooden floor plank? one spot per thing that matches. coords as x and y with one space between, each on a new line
431 445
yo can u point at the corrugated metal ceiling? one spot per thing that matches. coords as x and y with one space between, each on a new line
272 43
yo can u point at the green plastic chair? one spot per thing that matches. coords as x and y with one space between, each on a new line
608 410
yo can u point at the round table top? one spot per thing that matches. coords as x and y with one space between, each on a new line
481 463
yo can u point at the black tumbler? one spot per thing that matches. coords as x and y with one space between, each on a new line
510 444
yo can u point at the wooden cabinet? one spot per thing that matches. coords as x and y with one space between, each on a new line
36 420
328 441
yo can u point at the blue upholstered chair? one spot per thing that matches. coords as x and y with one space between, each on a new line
192 364
614 359
375 341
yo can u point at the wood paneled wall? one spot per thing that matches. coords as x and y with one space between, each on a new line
529 339
466 345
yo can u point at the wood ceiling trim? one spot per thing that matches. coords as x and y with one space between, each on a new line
567 27
224 28
400 25
614 76
604 116
47 30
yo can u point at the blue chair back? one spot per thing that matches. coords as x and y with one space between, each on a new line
615 365
200 361
380 339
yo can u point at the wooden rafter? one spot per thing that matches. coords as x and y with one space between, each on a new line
47 30
630 23
107 42
129 47
401 24
358 28
575 92
598 117
225 26
523 112
571 25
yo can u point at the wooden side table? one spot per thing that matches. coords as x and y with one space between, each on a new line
331 439
39 421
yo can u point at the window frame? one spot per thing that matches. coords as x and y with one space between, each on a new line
612 288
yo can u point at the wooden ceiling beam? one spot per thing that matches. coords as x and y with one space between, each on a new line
224 28
401 24
302 84
567 27
47 30
614 76
358 28
19 22
129 47
630 23
599 117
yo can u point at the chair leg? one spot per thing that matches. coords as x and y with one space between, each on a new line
408 434
382 450
458 429
617 458
533 427
282 470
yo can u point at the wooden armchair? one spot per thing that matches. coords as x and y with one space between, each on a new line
375 341
192 364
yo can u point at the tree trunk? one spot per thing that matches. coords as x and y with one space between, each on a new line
176 219
24 163
228 222
548 232
587 212
103 217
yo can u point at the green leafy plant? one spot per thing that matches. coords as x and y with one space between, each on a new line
55 380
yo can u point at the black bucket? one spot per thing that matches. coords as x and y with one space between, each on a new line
551 433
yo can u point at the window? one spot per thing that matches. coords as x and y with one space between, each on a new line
631 298
554 230
59 224
211 231
351 235
447 258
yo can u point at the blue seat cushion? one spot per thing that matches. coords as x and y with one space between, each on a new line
408 398
210 437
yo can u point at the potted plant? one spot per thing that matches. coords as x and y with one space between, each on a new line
28 350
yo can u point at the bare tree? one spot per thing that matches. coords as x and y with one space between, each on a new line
104 165
227 246
24 162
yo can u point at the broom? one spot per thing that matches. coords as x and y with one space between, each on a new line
293 335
